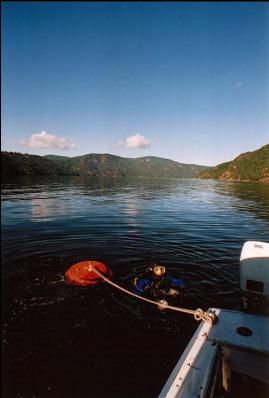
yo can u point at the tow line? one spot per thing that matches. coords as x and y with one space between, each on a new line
88 273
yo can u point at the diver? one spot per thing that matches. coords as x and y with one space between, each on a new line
155 283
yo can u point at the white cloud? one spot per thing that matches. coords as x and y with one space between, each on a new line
135 141
239 84
44 140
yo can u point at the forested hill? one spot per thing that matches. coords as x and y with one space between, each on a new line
14 164
249 166
17 164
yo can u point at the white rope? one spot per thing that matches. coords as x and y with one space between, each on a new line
198 314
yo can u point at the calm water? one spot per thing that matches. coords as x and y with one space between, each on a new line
64 341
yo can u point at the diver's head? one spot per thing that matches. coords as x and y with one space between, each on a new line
158 270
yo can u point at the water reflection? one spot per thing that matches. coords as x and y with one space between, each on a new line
47 209
254 197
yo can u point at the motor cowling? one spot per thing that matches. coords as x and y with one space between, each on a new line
254 276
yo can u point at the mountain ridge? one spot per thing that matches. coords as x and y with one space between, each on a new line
15 163
248 166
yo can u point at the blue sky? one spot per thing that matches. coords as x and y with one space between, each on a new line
183 81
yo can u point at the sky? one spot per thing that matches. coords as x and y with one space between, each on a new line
182 81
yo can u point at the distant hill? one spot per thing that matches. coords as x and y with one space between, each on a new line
14 164
249 166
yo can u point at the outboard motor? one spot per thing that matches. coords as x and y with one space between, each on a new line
254 276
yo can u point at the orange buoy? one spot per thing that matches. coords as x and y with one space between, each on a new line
82 274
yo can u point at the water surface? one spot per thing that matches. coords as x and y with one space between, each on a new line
67 341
